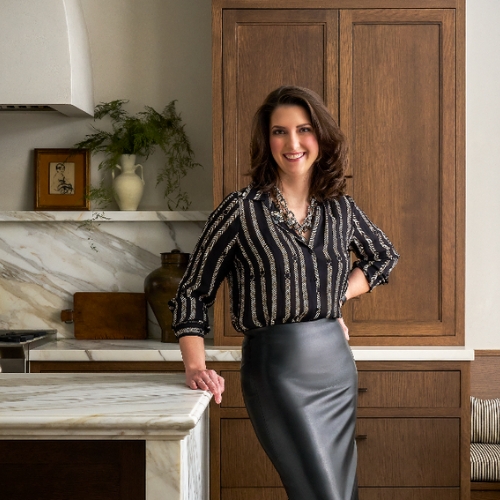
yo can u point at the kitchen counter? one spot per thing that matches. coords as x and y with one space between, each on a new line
416 386
158 409
153 350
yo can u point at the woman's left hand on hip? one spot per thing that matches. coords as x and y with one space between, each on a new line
344 327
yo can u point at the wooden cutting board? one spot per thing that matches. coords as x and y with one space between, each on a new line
108 315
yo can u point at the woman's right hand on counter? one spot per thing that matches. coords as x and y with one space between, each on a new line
206 380
197 375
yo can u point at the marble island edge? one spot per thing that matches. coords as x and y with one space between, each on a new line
98 406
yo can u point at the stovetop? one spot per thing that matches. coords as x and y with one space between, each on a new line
23 336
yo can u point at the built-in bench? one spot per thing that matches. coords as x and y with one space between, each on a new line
485 455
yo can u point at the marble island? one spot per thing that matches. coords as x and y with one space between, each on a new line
153 350
158 409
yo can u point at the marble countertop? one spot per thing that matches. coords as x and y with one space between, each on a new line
153 350
98 406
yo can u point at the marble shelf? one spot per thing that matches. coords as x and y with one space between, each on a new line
100 216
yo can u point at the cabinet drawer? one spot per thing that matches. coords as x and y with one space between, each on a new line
409 494
397 452
409 389
244 463
408 452
364 494
254 494
232 397
381 389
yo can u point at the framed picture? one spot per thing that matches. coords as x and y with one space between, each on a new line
61 179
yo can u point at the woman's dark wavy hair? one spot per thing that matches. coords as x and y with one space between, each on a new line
328 177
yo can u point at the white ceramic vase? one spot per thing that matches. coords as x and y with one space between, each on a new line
128 186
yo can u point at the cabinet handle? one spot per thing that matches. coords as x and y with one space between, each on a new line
362 389
361 437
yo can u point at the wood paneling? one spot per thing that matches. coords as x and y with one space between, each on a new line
396 81
233 398
383 389
409 494
243 461
485 491
409 389
254 494
397 104
485 375
438 440
261 50
337 4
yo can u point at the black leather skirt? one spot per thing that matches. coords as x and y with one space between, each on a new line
299 383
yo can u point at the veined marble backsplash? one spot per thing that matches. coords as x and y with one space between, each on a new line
42 264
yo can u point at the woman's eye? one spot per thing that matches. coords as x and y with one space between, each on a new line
306 129
278 132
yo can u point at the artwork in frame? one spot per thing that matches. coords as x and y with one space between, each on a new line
62 179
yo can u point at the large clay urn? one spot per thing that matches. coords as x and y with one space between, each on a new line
161 286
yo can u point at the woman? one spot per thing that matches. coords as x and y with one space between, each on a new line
283 243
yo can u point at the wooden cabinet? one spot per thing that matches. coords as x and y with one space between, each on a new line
392 73
412 433
408 440
412 436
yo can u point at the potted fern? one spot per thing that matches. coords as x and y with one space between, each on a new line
140 135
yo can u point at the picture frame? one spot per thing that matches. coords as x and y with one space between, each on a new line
62 179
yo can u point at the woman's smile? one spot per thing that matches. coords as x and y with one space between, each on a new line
294 156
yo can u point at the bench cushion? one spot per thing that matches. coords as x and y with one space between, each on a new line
485 420
485 462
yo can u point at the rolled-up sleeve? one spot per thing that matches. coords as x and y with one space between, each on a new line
208 265
376 254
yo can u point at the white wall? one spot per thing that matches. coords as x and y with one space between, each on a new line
147 51
483 174
152 51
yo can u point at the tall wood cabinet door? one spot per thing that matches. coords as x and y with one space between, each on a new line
261 50
398 109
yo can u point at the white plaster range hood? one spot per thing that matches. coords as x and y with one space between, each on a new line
45 57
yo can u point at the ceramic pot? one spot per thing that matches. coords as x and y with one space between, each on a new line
161 286
128 186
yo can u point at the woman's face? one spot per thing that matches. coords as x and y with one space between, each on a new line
293 142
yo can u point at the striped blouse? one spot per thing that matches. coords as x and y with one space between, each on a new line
274 275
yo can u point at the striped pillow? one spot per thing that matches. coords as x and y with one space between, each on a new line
485 420
485 462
